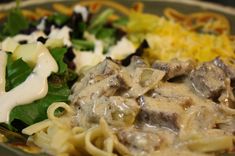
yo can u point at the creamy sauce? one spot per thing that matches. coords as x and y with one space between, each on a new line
122 49
89 58
29 38
33 88
42 24
3 63
82 10
62 33
9 44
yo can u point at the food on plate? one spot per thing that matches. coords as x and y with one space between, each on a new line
98 78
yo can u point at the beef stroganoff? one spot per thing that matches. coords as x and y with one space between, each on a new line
118 81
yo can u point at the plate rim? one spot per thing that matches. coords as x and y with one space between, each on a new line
202 4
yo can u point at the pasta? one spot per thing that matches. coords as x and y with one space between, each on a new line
57 136
170 91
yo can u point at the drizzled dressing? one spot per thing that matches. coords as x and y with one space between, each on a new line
3 63
33 88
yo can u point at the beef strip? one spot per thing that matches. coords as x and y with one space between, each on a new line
159 113
116 110
208 80
105 87
227 67
174 68
138 141
94 75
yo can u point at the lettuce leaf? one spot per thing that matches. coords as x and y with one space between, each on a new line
59 85
17 72
58 19
83 45
15 23
37 110
58 54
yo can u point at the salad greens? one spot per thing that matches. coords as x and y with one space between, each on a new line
100 20
37 110
104 31
83 45
59 83
17 71
58 54
58 18
14 24
58 89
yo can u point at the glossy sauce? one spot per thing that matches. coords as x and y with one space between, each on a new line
33 88
3 62
62 33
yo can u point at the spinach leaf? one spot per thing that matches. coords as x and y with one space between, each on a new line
58 54
58 19
107 36
83 44
15 23
37 111
59 85
103 30
17 72
101 19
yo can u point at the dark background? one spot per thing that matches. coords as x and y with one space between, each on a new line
230 3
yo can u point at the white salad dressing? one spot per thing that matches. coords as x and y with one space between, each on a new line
89 58
33 88
62 33
82 10
42 24
3 63
122 49
29 38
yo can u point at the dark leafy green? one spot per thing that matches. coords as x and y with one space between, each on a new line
101 19
58 19
58 89
83 44
17 72
36 111
15 23
58 54
103 30
108 37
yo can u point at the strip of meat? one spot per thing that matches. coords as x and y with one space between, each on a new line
174 68
159 113
208 80
228 68
116 110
